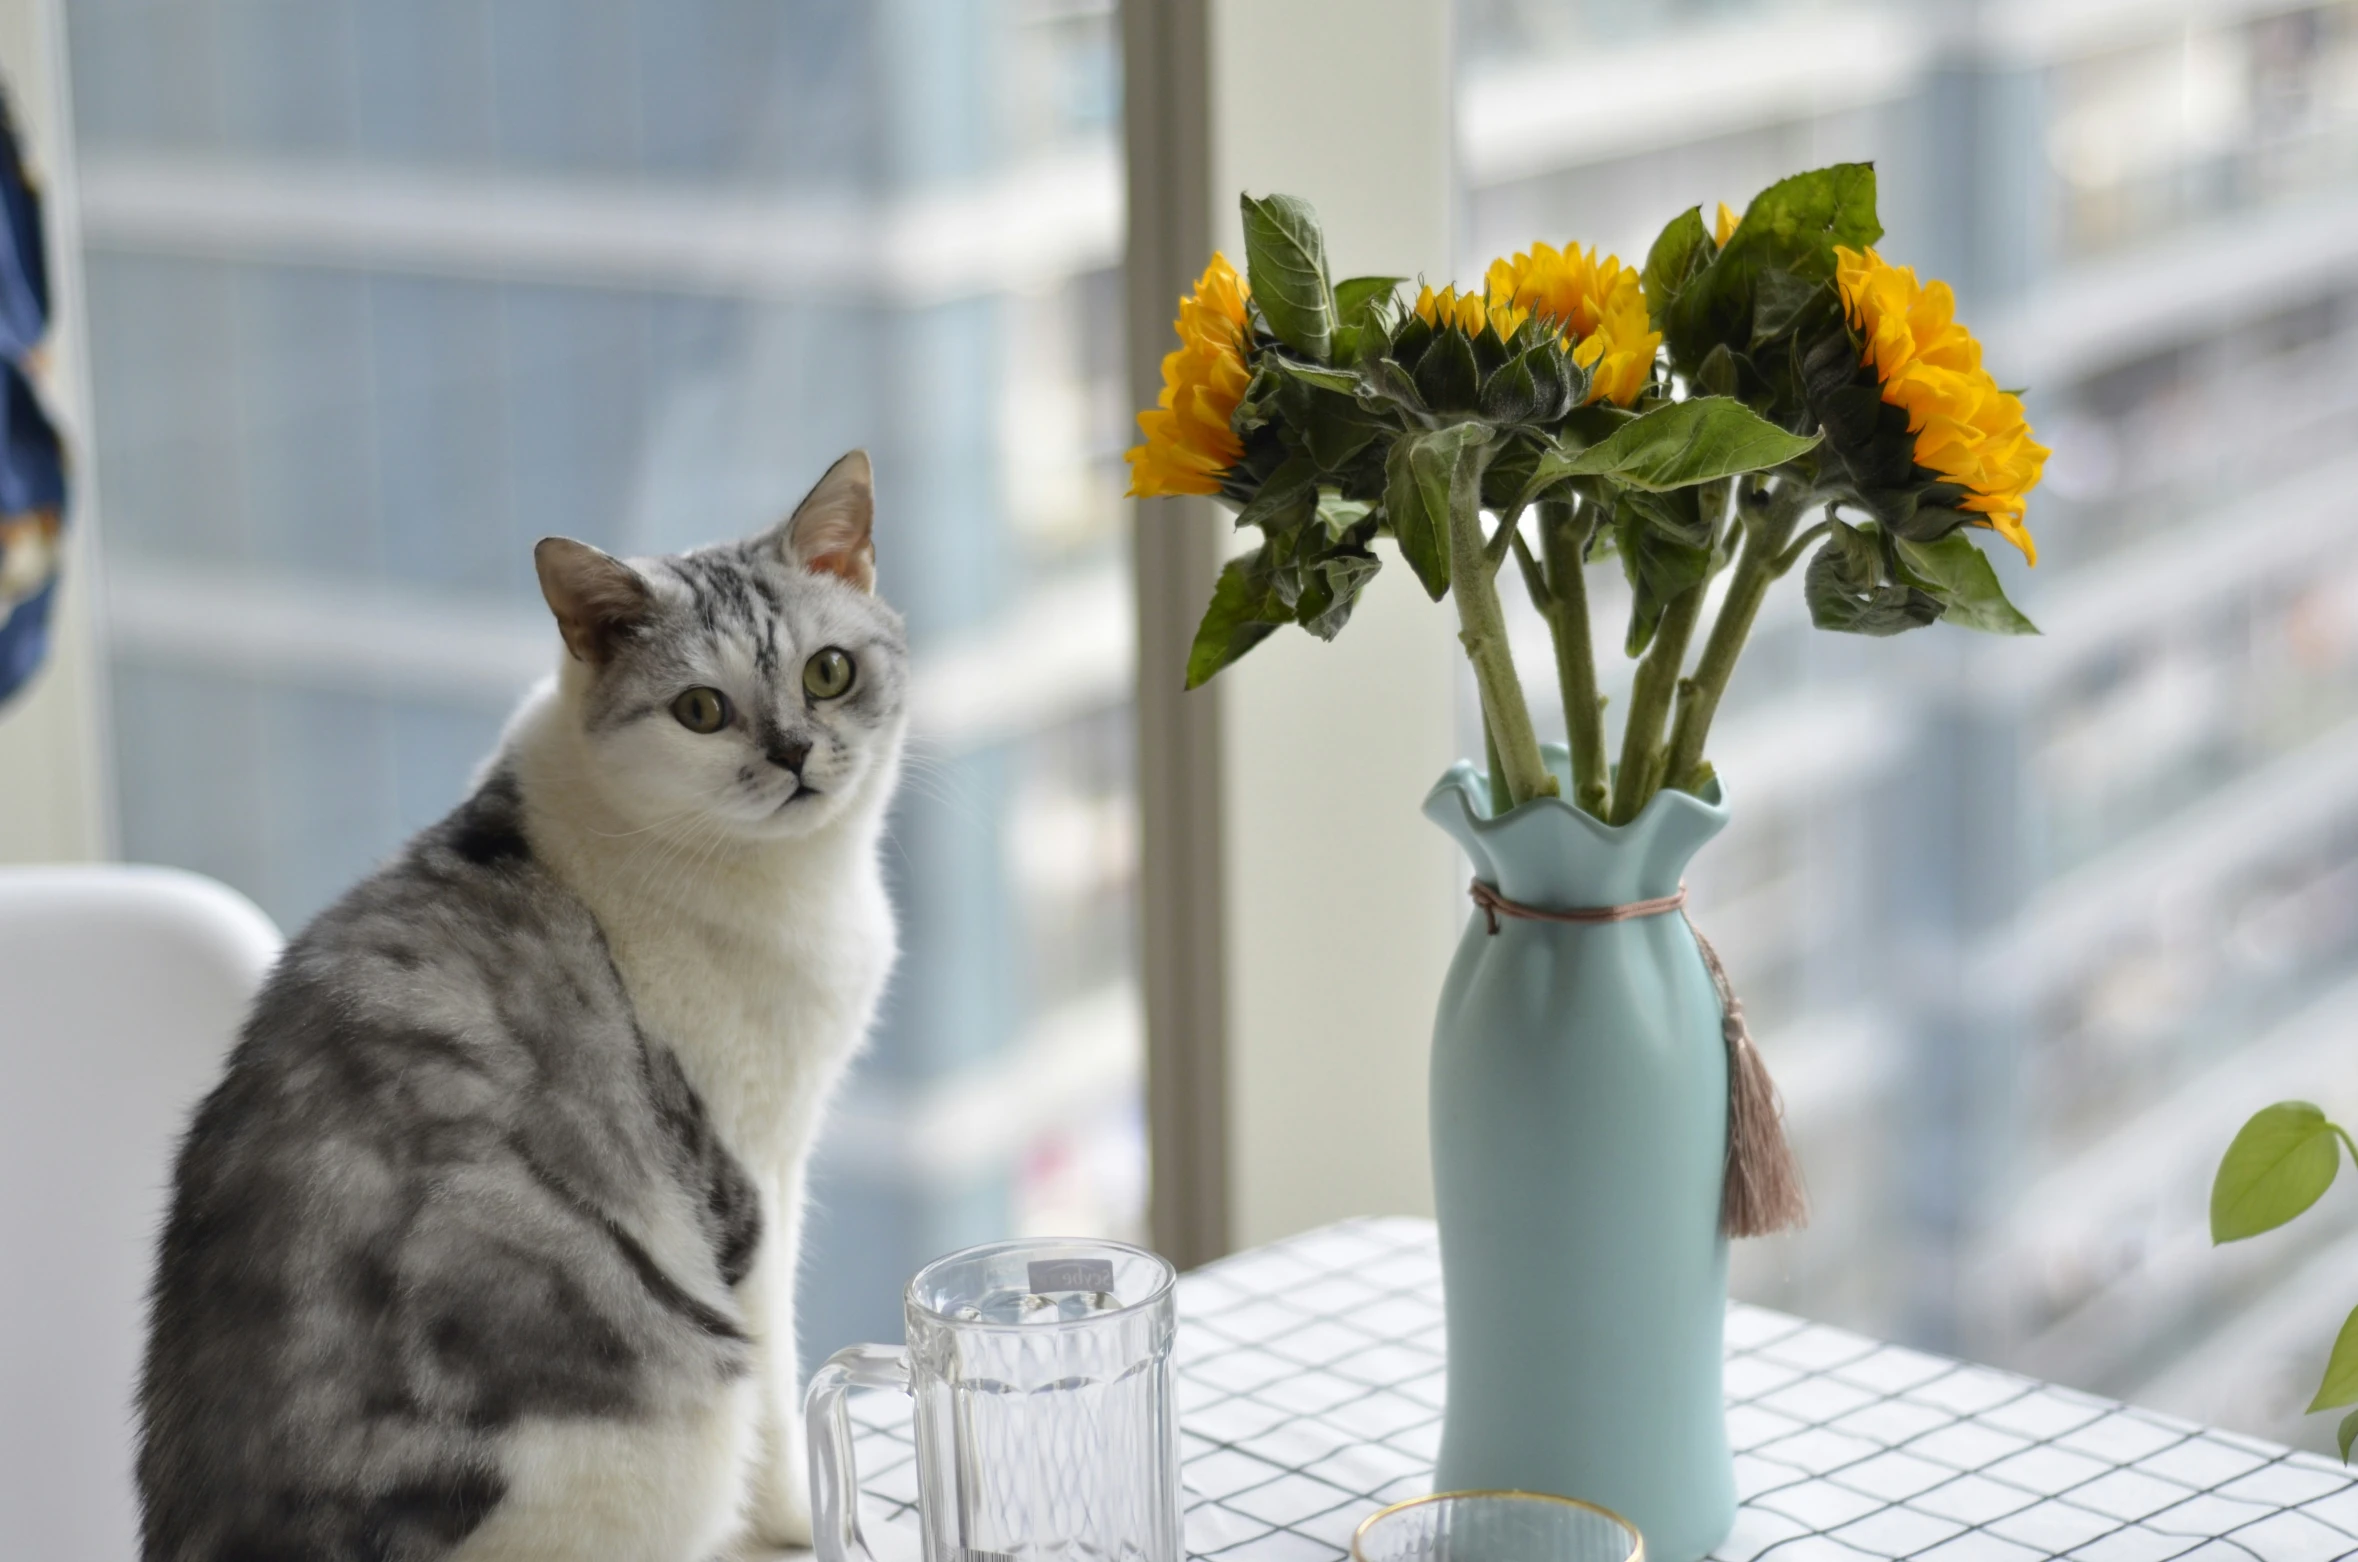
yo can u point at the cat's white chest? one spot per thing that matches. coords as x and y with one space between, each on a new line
764 1002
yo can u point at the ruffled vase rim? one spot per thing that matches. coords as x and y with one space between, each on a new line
1464 785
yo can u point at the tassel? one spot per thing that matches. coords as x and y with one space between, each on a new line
1760 1190
1760 1186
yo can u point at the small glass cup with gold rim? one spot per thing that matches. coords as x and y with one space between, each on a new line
1497 1526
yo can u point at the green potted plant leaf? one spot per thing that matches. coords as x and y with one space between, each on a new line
2280 1163
1764 392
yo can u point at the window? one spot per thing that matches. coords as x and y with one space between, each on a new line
2027 929
381 292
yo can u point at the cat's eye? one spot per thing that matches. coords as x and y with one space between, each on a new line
702 710
828 673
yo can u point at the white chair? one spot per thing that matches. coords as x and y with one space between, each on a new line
121 990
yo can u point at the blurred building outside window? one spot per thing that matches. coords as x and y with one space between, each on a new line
381 292
2027 928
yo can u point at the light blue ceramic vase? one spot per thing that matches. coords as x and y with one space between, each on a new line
1579 1133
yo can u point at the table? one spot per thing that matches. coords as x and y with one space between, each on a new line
1310 1383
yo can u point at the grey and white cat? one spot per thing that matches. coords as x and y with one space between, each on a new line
485 1247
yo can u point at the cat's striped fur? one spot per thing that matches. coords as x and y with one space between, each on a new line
484 1247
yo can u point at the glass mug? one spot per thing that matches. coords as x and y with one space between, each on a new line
1047 1425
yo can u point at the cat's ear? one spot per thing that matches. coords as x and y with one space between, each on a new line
597 598
829 532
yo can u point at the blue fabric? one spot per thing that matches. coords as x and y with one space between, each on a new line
24 639
24 262
32 461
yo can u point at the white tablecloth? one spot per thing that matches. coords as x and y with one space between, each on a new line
1310 1394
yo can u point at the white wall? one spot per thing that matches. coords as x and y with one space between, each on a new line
1343 904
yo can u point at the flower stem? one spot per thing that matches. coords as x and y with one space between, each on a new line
1481 628
1499 801
1767 530
1800 545
1560 540
1639 777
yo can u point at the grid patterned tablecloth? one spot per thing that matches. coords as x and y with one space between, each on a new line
1310 1393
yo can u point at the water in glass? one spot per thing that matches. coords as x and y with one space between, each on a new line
1046 1421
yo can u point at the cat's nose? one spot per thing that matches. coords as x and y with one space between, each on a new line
788 754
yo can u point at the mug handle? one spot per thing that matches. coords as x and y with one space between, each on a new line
835 1484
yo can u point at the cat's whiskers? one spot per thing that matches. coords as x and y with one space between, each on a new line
619 835
701 842
674 865
661 841
937 777
653 860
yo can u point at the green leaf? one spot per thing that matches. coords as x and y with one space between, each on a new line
1334 431
1680 253
1342 380
1285 260
1549 464
1553 458
1803 217
1782 299
1411 341
2340 1385
1244 611
1513 394
1259 406
1665 548
1553 379
1338 517
1389 386
1490 351
1332 590
1448 377
1716 374
1360 304
1357 297
1689 442
2278 1164
1677 515
2347 1434
1849 592
1829 363
1420 529
1510 469
1287 498
1425 472
1916 513
1791 226
1960 575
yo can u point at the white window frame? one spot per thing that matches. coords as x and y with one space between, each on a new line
1298 913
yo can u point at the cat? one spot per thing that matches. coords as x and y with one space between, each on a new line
484 1248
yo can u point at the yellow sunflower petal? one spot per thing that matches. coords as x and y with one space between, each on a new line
1594 300
1966 429
1189 442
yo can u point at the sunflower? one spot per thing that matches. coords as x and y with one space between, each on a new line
1469 312
1967 429
1593 298
1189 443
1725 228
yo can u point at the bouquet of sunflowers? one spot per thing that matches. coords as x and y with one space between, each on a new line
1688 419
